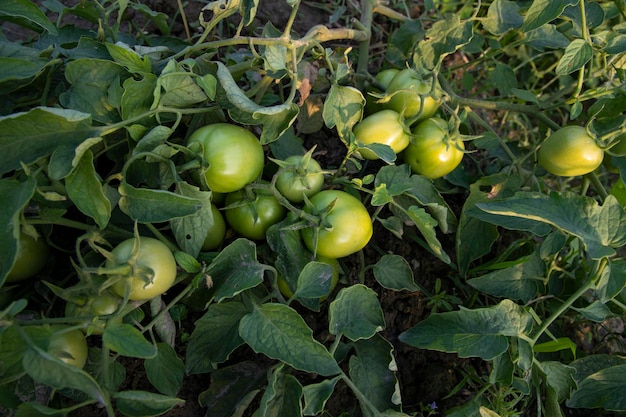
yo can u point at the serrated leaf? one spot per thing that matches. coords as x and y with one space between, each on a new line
215 336
235 269
143 403
279 332
602 389
394 272
127 340
576 55
600 228
481 332
85 190
356 313
166 370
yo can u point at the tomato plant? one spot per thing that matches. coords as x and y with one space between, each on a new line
217 231
92 308
288 292
345 227
150 265
234 155
570 151
251 213
385 127
433 152
68 345
411 95
299 176
32 255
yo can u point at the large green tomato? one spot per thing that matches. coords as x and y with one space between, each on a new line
235 156
409 91
384 127
153 268
31 257
570 151
299 176
94 307
346 225
433 152
371 100
69 346
251 214
287 292
217 231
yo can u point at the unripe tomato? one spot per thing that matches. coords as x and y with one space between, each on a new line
217 231
385 76
346 225
31 257
287 292
570 151
371 100
95 306
69 346
410 91
300 176
153 260
251 215
385 127
235 156
432 151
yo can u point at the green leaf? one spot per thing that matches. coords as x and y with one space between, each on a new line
12 348
600 228
562 343
481 332
235 269
49 370
541 12
191 231
502 16
343 109
15 196
426 225
144 404
546 36
576 55
128 58
314 280
179 88
282 395
279 332
26 137
372 370
316 396
219 323
612 281
166 370
85 190
444 37
138 95
503 78
602 389
394 272
154 206
26 13
521 281
356 313
18 72
233 388
91 81
127 340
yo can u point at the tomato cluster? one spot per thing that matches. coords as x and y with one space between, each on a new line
403 117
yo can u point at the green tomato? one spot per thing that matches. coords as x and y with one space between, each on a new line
32 255
251 213
94 307
385 76
409 90
570 151
235 156
432 152
153 268
346 225
69 346
287 292
217 231
299 176
384 127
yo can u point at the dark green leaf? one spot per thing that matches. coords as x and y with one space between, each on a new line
612 281
502 15
541 12
481 332
394 272
316 396
138 95
356 313
21 11
191 231
282 396
444 37
503 78
144 404
279 332
215 337
576 55
314 280
546 36
166 370
127 340
602 389
153 206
